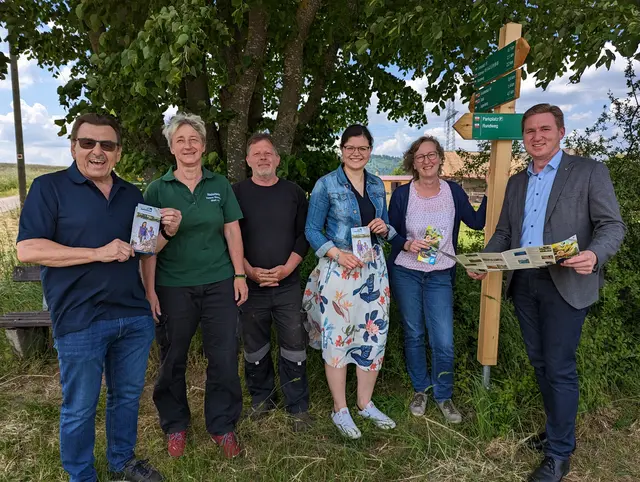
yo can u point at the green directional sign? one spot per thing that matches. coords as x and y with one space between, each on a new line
496 64
503 90
489 127
495 127
501 62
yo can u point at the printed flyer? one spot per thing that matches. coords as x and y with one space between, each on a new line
433 236
520 258
361 244
145 229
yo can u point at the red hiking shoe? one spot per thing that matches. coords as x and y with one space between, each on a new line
229 443
176 443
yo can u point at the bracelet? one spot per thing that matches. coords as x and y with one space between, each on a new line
239 276
337 257
164 233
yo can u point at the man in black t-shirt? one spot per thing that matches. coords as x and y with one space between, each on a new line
275 212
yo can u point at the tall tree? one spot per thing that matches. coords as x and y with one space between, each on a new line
304 69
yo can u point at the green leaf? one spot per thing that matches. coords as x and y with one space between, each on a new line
361 45
182 39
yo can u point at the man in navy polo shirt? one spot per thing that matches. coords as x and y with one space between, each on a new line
76 223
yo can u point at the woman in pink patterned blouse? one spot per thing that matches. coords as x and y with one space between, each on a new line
426 214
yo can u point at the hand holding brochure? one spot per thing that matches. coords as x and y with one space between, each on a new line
361 244
145 229
520 258
433 236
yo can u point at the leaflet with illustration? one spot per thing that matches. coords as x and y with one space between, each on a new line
520 258
361 244
145 229
433 236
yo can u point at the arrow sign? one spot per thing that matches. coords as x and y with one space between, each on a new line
503 90
501 62
489 127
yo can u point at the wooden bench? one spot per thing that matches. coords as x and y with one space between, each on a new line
27 332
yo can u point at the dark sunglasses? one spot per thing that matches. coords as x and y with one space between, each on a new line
87 143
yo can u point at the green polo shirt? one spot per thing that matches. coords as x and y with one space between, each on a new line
198 253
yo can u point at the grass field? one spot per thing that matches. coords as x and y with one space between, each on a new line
9 176
419 449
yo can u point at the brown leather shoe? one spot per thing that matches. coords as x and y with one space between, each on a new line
229 444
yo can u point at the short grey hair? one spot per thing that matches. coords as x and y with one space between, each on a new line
183 118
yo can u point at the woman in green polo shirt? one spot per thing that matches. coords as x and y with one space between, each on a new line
196 278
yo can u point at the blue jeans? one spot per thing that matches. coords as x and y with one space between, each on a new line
121 347
425 301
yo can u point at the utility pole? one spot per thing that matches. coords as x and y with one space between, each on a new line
17 119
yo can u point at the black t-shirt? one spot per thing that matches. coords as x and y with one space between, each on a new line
273 224
367 209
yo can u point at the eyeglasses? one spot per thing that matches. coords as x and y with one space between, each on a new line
351 149
88 143
432 156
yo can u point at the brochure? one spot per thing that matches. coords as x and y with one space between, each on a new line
145 229
520 258
433 236
361 243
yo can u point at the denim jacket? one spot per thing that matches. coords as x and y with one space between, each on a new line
333 211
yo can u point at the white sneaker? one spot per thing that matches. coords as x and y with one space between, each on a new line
342 419
377 417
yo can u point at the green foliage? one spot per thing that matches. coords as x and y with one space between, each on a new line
226 61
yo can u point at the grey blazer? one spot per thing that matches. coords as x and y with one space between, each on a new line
582 201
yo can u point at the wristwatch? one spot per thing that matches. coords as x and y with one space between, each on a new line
239 276
164 233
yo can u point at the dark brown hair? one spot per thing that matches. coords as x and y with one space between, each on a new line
261 136
97 120
544 109
408 157
355 130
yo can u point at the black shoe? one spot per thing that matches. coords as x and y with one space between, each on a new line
550 470
137 471
262 410
538 442
302 421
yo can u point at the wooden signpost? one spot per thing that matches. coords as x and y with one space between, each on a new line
498 87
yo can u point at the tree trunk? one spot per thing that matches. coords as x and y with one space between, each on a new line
292 78
198 101
243 92
256 110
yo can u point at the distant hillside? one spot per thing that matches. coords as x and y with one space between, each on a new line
383 165
9 176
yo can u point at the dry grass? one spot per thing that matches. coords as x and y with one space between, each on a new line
421 449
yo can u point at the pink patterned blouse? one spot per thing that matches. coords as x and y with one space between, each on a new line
435 215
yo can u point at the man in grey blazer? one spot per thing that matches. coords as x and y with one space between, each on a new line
557 196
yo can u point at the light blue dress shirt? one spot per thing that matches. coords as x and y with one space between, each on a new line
535 205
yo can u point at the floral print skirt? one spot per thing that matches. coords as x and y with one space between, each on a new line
348 312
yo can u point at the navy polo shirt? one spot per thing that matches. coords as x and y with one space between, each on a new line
68 209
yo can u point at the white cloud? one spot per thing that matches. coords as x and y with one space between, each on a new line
27 73
577 116
41 141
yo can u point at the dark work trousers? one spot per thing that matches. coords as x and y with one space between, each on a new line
551 330
211 306
280 304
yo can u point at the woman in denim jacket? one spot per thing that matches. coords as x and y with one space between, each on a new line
347 296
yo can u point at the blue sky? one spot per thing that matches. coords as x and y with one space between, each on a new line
581 103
